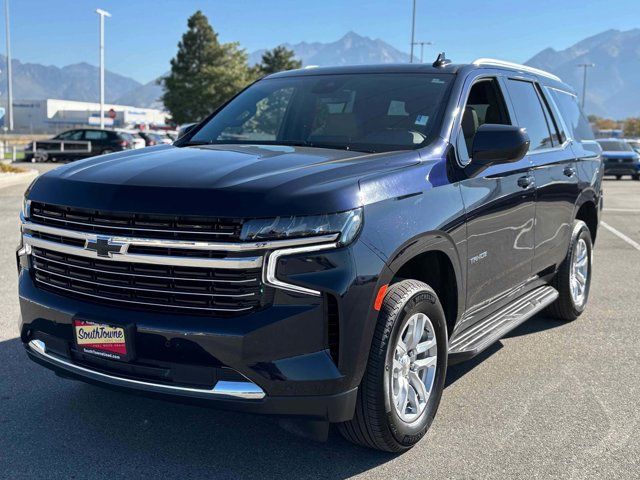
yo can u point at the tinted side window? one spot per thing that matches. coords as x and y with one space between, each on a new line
529 113
95 135
484 105
573 116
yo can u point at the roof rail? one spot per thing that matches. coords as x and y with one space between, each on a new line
501 63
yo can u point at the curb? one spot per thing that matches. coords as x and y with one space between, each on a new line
17 178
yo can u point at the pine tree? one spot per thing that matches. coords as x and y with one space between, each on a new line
204 73
277 60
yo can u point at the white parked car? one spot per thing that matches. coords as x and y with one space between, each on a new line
136 140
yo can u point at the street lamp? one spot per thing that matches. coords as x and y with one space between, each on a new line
584 81
9 74
413 31
422 44
102 14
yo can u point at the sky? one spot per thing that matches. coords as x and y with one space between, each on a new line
142 35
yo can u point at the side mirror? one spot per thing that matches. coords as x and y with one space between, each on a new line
495 144
184 130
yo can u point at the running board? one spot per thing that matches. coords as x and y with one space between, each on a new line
475 339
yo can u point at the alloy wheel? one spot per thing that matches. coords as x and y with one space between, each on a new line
579 276
414 367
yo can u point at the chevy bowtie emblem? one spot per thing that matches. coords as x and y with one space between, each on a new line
104 246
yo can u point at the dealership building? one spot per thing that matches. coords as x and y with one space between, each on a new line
53 115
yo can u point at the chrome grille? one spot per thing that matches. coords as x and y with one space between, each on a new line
148 262
135 224
149 286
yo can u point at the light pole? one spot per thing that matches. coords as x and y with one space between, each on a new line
413 31
9 74
102 14
584 80
422 44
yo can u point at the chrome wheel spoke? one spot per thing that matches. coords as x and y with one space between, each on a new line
403 395
413 401
425 346
418 385
426 362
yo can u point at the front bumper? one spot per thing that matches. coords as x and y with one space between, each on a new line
614 168
273 361
238 396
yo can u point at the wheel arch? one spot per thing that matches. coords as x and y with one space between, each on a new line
587 210
433 259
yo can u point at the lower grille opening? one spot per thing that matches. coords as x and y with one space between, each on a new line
166 373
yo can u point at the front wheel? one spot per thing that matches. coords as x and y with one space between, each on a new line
402 386
573 279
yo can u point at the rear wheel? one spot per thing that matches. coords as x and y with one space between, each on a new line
573 279
618 177
402 386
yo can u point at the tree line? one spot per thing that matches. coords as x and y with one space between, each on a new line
206 73
630 127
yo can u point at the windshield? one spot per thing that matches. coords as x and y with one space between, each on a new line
615 146
365 112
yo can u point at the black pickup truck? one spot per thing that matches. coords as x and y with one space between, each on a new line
322 246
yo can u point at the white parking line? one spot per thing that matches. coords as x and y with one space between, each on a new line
631 210
621 236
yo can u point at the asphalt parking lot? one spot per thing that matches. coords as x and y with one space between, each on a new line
552 400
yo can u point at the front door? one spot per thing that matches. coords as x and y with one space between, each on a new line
499 203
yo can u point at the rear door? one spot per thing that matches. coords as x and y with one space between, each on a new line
499 203
99 141
554 171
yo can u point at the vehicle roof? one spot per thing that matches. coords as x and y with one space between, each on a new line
543 77
379 68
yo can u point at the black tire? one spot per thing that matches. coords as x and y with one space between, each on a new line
635 177
618 177
565 308
376 423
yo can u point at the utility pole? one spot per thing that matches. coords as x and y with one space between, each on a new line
584 80
9 72
422 44
413 31
102 14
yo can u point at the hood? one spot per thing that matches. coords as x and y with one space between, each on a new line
226 181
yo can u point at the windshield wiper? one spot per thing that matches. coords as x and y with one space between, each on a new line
326 145
196 143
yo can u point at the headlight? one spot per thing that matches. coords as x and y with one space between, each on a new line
347 224
26 208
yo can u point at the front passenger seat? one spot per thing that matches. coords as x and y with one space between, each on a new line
470 126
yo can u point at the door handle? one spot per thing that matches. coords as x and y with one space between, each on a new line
526 181
569 171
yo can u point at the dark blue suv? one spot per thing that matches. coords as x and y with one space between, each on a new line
322 246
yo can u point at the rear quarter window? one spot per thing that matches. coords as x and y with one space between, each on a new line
574 118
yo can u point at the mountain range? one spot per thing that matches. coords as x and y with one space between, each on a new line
351 49
613 84
32 81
